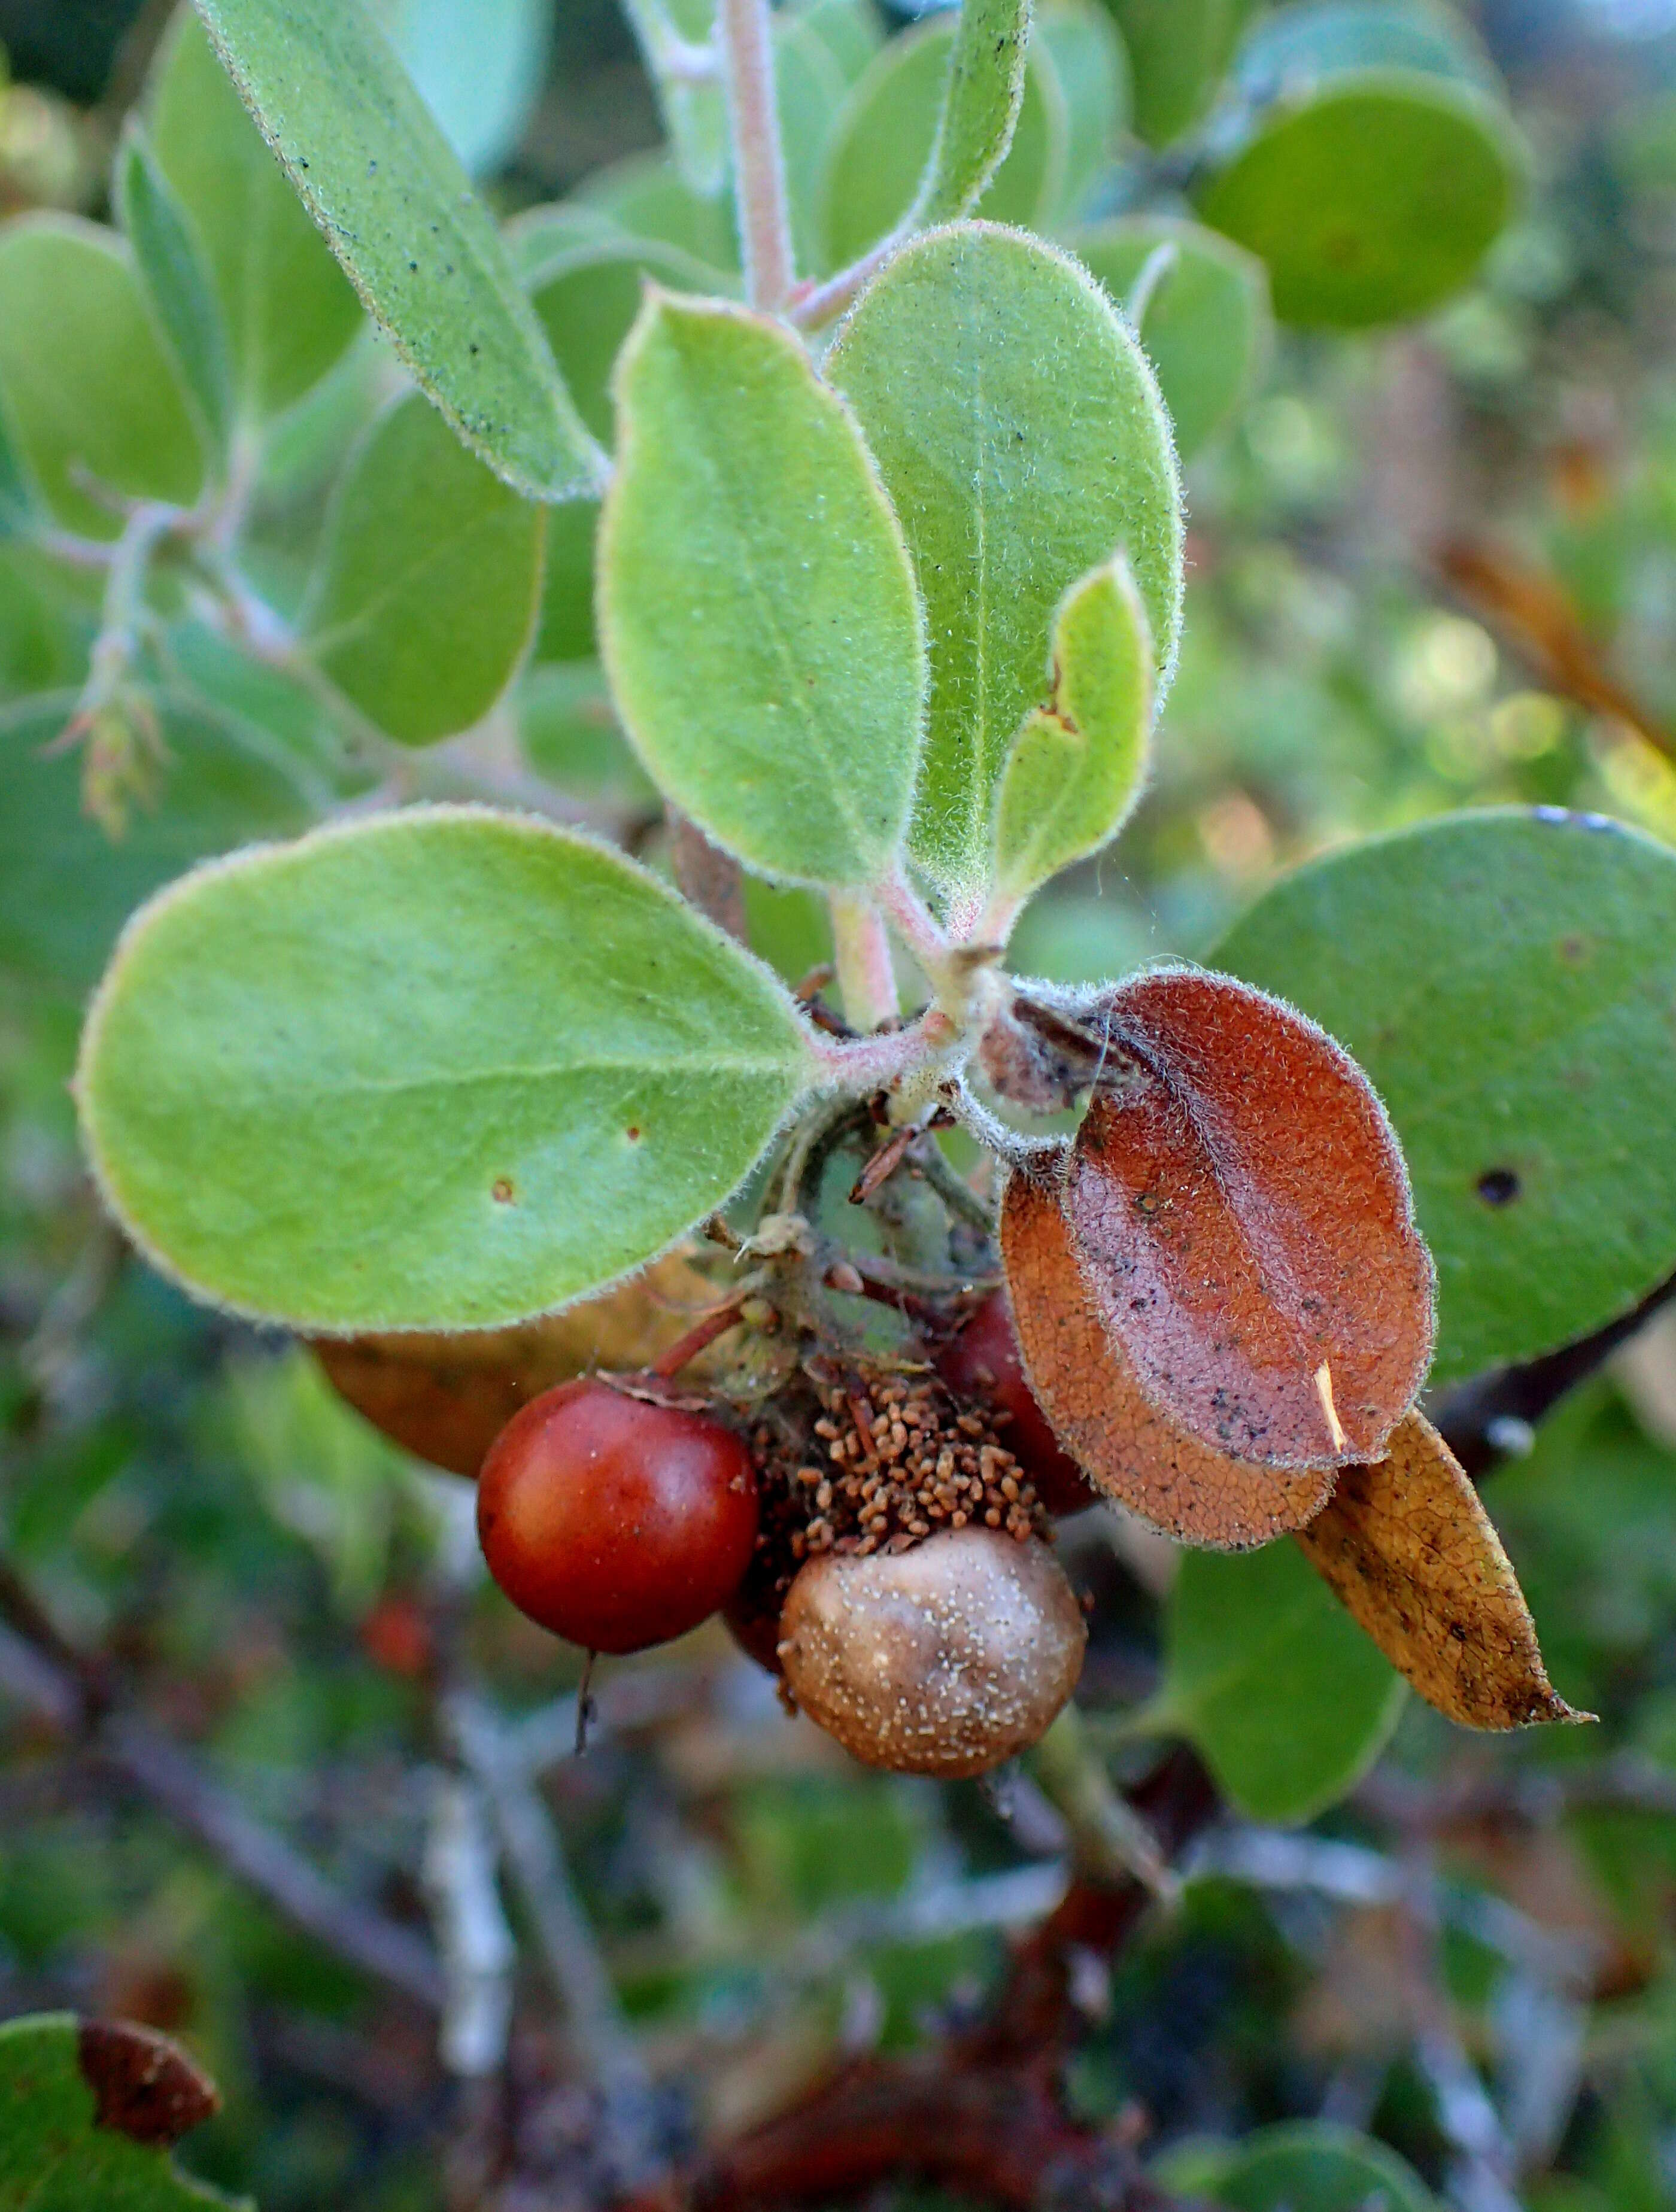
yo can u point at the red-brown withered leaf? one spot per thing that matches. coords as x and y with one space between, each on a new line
1414 1558
445 1397
1239 1206
1089 1394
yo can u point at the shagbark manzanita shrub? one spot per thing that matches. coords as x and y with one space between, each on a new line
872 504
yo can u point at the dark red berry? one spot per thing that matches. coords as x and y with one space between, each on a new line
614 1521
982 1363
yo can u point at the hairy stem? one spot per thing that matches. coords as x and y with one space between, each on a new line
759 168
874 1063
866 981
814 305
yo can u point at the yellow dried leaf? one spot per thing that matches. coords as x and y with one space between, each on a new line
1410 1552
445 1397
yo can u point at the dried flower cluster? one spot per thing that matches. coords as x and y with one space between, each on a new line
859 1463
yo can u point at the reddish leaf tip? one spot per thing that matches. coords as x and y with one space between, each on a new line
144 2086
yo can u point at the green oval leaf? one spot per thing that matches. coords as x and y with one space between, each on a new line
920 139
62 2147
479 66
439 1069
287 311
425 601
1287 1700
810 85
1372 198
1178 50
694 110
65 888
758 615
1508 981
1303 2166
91 399
566 631
1087 56
647 197
587 300
182 296
1075 768
850 30
1205 322
1290 48
372 168
1021 438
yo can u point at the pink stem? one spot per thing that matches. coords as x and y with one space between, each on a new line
759 168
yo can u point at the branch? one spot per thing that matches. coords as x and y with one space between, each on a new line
1493 1417
601 2036
981 2117
74 1695
478 1955
759 168
706 878
1535 615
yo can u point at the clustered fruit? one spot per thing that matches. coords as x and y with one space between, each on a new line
879 1537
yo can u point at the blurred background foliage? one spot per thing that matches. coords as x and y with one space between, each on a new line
1430 567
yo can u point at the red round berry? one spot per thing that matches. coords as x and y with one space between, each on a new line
615 1522
983 1363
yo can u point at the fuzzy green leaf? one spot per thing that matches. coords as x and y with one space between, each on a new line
982 100
286 308
440 1069
883 166
1508 980
1285 1698
66 888
1372 198
90 396
1021 438
372 168
758 615
1206 328
1075 768
55 2154
182 295
424 604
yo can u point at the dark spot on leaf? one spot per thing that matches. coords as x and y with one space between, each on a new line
1575 951
143 2086
633 1135
1499 1186
502 1192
